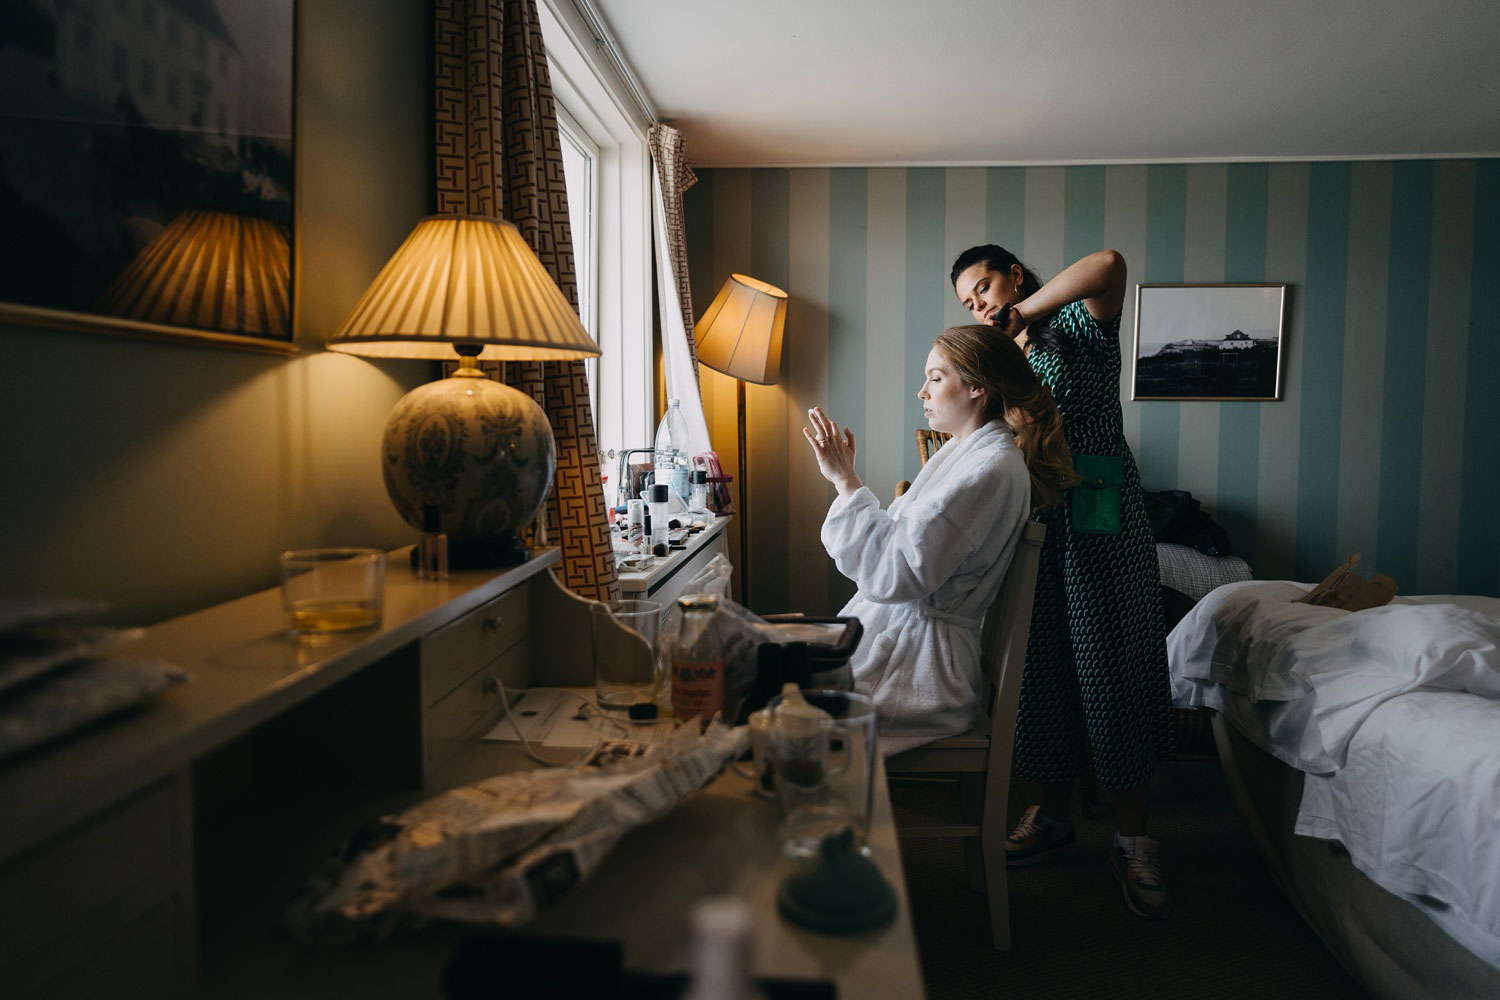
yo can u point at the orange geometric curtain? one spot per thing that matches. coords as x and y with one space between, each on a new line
498 155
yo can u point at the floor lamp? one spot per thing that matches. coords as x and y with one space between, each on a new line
739 335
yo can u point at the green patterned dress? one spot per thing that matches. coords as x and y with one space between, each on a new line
1096 685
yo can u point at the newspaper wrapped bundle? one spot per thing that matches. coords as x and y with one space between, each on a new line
499 851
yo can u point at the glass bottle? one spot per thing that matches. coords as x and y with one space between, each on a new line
670 450
720 955
432 545
697 660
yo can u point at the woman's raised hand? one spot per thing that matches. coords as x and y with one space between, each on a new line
833 450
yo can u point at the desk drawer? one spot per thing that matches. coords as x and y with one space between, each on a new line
451 653
457 718
53 891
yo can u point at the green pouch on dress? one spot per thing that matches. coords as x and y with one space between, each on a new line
1096 498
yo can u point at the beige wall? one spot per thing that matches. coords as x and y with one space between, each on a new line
166 477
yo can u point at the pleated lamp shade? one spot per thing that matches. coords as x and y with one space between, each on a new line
464 280
211 270
740 332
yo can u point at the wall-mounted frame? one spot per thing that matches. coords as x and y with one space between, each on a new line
146 169
1208 342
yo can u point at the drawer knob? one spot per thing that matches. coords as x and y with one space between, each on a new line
492 623
491 686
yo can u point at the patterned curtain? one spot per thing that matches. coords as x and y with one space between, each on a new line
498 155
675 177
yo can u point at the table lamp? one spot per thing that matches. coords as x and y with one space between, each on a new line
479 451
739 335
211 270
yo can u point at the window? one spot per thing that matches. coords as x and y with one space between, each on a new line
595 107
580 156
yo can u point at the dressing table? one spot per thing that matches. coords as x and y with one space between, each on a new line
154 855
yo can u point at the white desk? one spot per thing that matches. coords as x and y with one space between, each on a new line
154 856
666 580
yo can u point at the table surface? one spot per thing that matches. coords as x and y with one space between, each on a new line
720 841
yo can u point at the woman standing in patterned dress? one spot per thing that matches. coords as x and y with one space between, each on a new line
1095 687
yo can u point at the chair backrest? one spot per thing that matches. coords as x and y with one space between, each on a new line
1002 644
928 442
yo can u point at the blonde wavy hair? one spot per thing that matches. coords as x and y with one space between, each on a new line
986 360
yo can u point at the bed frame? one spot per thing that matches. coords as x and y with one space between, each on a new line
1386 943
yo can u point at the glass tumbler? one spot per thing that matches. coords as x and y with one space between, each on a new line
625 636
332 590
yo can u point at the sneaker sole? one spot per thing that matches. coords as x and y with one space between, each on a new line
1041 855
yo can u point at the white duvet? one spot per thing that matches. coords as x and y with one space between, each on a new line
1394 713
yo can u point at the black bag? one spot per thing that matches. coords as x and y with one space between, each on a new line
1178 519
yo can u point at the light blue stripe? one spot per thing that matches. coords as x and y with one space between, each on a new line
1005 208
770 225
1407 280
926 290
1239 422
1083 212
848 210
1479 510
1166 245
1323 369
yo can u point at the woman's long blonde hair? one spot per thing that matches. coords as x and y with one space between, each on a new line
985 359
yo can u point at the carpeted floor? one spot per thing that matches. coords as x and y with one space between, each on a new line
1231 933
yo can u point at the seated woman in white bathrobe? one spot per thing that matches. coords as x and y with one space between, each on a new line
929 567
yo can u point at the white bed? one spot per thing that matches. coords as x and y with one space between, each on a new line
1384 727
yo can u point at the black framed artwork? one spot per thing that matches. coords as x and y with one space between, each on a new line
1208 342
146 168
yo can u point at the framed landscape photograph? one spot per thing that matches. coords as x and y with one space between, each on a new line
146 169
1218 342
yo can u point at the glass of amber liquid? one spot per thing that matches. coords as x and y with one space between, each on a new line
331 590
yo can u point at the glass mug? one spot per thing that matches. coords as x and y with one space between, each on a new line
823 757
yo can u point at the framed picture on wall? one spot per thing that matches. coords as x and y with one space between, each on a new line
1206 342
146 169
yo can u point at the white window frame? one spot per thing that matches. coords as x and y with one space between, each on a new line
597 101
583 220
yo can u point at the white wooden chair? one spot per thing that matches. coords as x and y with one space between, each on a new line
981 757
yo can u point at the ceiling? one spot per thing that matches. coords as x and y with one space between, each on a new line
825 82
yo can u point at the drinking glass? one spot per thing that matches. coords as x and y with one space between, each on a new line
824 769
625 634
332 590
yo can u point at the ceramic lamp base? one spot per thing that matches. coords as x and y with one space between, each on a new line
482 453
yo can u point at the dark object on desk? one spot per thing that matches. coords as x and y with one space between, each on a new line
482 553
1178 518
511 964
806 664
839 892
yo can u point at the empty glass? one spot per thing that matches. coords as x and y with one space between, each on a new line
625 634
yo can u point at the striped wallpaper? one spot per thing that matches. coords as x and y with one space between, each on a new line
1383 443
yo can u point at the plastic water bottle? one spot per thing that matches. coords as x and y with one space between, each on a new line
670 458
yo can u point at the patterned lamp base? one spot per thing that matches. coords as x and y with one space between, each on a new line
482 452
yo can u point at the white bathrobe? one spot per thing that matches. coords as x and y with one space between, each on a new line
927 570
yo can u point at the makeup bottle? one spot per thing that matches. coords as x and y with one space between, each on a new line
698 485
635 527
660 518
432 546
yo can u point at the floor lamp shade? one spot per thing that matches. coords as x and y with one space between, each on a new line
740 334
478 450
